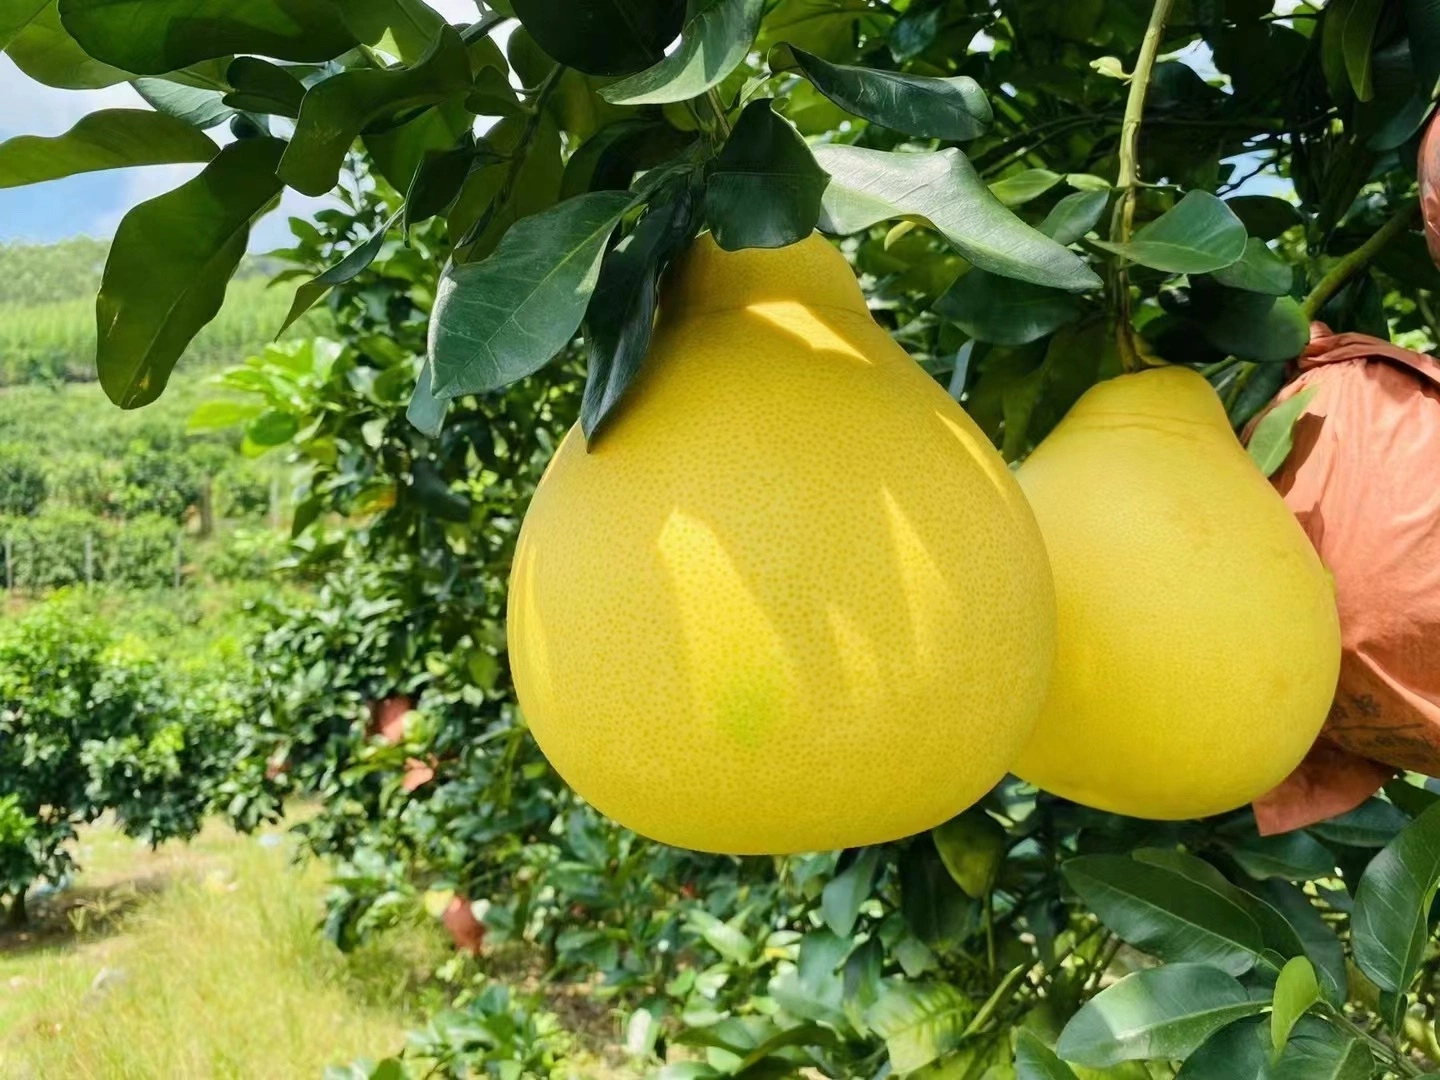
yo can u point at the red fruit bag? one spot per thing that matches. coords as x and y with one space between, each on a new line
1364 482
1429 172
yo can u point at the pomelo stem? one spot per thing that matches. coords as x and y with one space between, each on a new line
1351 264
1128 181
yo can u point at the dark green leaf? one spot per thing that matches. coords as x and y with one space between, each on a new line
45 51
869 186
603 37
764 188
1358 45
170 263
712 45
1320 1052
438 181
954 109
1254 326
151 37
500 319
1075 215
919 1023
1258 270
335 111
1240 1051
1265 217
406 28
1162 913
1422 17
1005 311
196 106
846 891
1294 856
1020 188
972 846
1198 235
1158 1014
346 269
1389 927
1296 990
935 908
1373 824
108 139
1036 1061
1320 943
435 494
263 87
621 315
1274 437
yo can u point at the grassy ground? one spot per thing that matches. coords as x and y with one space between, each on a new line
200 961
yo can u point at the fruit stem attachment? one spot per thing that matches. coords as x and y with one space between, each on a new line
1351 264
1123 218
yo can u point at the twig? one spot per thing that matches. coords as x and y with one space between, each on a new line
712 97
1123 219
1351 264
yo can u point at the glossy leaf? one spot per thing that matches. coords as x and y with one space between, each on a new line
954 109
1294 856
972 846
16 15
1296 990
1255 326
1389 927
1019 189
1320 1052
500 319
1036 1061
845 892
1240 1051
1320 943
169 266
438 180
870 186
603 37
712 45
335 111
1075 215
919 1023
347 269
1157 1014
196 106
44 50
108 139
263 87
1264 216
1162 913
1004 311
764 188
1258 270
151 37
1198 235
621 316
1373 824
1274 437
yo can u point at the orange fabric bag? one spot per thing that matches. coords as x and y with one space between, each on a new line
1428 171
1364 482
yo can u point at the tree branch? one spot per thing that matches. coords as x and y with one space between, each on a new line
1351 264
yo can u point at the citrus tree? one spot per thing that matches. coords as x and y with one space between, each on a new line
1036 196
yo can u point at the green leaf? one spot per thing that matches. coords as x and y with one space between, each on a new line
1265 217
108 139
500 319
1240 1051
346 269
1004 311
1198 235
972 846
1258 270
151 37
1294 856
1075 215
1320 1052
869 186
712 45
263 87
621 315
845 892
16 15
335 111
727 940
1157 1014
404 28
603 37
936 910
1320 943
764 188
271 428
425 411
1358 45
196 106
438 180
1254 326
46 52
954 109
1422 18
1373 824
1295 991
221 414
1162 913
1389 926
1022 187
170 263
1036 1061
1274 438
919 1023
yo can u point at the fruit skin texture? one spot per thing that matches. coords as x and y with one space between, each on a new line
792 599
1199 645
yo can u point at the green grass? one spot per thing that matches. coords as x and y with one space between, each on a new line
216 969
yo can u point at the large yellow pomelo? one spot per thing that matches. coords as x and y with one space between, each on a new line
1198 640
792 599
